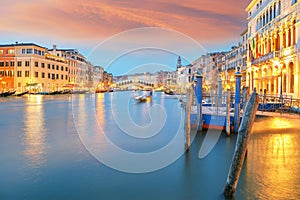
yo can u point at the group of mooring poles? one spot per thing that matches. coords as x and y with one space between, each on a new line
243 128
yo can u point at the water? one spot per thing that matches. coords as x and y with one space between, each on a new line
43 155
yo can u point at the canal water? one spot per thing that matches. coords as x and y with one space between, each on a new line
57 147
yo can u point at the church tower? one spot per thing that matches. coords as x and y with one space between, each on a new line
179 62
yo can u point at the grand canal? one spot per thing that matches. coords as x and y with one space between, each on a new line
44 153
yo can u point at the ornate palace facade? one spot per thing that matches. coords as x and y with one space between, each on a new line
274 41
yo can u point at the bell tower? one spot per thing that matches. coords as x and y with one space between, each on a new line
179 62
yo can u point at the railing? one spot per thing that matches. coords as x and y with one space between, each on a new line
284 104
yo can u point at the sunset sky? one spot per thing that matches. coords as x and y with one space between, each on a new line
82 24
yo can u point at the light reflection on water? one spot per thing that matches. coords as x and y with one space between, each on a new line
34 131
273 159
44 138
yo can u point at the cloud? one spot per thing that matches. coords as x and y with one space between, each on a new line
207 21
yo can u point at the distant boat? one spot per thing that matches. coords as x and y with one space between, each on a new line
169 92
21 94
143 98
6 94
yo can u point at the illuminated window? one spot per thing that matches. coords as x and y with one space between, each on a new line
10 51
1 51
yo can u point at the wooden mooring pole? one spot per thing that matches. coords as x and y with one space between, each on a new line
241 145
187 124
228 112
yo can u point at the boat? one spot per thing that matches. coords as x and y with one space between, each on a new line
21 94
143 98
6 94
169 92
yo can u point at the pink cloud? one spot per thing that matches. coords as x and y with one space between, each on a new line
205 20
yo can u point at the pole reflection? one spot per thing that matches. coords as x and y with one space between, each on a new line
34 131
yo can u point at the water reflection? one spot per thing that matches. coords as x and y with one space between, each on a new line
274 163
34 131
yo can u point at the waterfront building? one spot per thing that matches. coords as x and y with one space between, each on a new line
81 71
274 41
208 63
7 64
34 68
98 76
171 80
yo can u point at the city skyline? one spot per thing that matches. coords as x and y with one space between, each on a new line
85 24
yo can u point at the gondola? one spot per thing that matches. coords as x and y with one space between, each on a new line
6 94
21 94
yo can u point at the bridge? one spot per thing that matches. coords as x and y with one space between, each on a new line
130 84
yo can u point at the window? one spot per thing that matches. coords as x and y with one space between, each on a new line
35 51
6 64
53 67
36 64
19 73
12 63
43 65
26 73
62 68
66 77
49 76
53 76
49 66
1 64
66 69
23 51
57 77
10 51
1 51
29 51
57 67
43 74
62 77
27 63
36 74
19 63
39 52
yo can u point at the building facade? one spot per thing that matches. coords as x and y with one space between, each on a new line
273 52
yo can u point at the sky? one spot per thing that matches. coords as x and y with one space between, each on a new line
111 25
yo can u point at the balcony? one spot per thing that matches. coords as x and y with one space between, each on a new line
289 51
266 57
